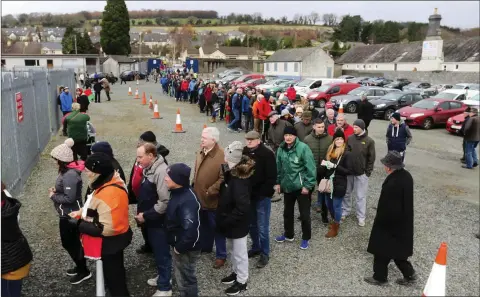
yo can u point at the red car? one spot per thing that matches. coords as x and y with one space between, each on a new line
455 123
251 84
430 112
245 78
323 94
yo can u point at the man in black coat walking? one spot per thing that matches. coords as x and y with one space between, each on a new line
392 232
365 111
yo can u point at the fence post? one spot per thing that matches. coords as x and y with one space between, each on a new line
15 132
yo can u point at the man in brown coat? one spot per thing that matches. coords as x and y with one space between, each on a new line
206 183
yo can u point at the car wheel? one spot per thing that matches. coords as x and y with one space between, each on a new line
321 103
388 114
427 123
351 107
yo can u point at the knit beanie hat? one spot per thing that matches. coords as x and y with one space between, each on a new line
359 123
396 116
338 133
63 152
148 137
102 147
180 174
285 112
233 152
100 163
290 130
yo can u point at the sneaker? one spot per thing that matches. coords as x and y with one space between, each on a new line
236 289
162 293
230 279
80 277
252 253
153 281
304 244
72 271
407 281
282 238
475 164
466 167
374 282
343 218
361 223
263 261
230 130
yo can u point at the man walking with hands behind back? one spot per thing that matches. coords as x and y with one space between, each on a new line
392 232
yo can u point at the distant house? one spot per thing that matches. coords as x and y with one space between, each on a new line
22 48
160 31
117 64
18 34
53 34
228 52
235 34
152 40
300 63
51 48
190 52
134 37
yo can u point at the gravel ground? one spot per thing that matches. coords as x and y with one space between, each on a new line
446 209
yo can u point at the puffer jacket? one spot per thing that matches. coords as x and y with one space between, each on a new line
318 144
68 189
295 167
233 211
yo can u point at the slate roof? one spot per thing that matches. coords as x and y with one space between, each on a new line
32 48
291 55
154 37
17 31
52 45
193 51
454 50
122 59
229 50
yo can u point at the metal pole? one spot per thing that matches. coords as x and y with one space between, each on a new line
75 38
100 285
140 64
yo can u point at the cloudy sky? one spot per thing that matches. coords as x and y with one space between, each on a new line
463 14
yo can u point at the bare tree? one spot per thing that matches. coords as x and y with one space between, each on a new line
330 19
314 17
296 18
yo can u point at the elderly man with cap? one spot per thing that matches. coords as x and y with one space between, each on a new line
305 126
362 149
392 233
263 180
398 135
183 228
276 129
296 172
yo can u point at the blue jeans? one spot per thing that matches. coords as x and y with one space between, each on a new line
185 266
334 205
11 288
233 124
163 258
260 225
471 153
208 234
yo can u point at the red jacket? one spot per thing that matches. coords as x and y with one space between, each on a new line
208 94
347 130
291 93
264 109
184 86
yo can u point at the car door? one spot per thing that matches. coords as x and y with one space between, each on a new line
441 116
416 98
405 100
461 97
375 94
333 92
455 108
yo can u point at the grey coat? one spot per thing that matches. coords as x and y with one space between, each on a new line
68 192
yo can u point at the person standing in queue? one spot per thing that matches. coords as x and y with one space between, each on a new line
76 123
365 111
398 135
97 87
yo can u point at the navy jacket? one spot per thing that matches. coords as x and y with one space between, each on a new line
398 138
182 220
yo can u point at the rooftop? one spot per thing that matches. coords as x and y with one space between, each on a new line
229 50
52 45
291 55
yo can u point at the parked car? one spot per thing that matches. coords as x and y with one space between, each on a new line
454 124
380 82
100 75
359 80
417 86
442 87
398 84
307 84
351 100
466 86
269 84
347 77
282 87
230 72
251 84
245 77
228 79
429 112
271 77
322 95
129 75
385 106
452 95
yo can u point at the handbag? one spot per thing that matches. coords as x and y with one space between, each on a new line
326 184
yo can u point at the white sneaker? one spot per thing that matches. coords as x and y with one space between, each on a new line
343 218
361 223
162 293
153 281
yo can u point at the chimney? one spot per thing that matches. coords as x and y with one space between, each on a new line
216 45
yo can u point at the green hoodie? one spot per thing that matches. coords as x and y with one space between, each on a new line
296 167
77 125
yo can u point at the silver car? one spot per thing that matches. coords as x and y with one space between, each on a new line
353 98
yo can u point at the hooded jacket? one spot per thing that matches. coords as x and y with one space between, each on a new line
398 137
68 189
233 211
77 125
265 174
66 101
291 93
347 130
363 154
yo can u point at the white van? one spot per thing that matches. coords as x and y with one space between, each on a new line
308 84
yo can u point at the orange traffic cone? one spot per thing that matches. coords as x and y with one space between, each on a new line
178 124
130 91
150 105
204 126
340 109
136 94
436 281
144 99
156 114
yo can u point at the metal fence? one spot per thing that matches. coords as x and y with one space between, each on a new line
31 94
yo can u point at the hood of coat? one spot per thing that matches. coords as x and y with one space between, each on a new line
244 169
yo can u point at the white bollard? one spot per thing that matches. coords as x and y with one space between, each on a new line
100 282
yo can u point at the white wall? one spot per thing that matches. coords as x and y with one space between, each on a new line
462 67
110 65
374 67
408 66
58 62
316 64
269 69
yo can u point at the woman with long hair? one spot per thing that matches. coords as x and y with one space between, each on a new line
336 171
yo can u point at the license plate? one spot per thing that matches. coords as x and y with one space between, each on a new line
403 118
456 127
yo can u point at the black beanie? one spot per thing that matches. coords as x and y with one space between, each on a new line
338 133
180 174
148 137
100 163
290 130
102 147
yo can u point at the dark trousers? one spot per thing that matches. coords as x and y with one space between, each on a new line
108 95
289 212
11 288
143 229
64 130
163 259
266 125
79 148
380 268
209 109
70 238
97 96
222 110
248 121
208 234
123 81
185 274
115 275
464 157
202 103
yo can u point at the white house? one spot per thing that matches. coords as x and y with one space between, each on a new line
300 63
235 34
117 64
154 39
19 34
79 63
51 48
53 34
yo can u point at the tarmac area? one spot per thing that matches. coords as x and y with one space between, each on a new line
446 209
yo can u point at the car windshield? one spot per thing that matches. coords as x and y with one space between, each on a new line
426 104
392 96
445 95
357 91
305 83
476 97
458 87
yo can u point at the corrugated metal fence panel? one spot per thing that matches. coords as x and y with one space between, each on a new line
41 100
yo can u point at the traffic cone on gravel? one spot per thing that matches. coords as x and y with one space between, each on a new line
136 94
178 124
340 109
144 99
130 91
436 281
150 105
156 114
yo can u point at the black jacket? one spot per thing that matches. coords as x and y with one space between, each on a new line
233 210
264 176
118 168
16 252
362 158
97 87
83 101
182 220
340 178
365 111
392 232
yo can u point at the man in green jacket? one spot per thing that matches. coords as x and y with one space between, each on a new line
296 172
77 130
319 141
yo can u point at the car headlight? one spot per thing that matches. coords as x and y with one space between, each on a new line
380 105
450 120
312 96
416 115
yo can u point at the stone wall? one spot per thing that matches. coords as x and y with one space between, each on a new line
433 77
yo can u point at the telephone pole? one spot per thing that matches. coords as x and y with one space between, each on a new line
75 38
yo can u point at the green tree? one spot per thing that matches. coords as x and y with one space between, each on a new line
68 40
349 29
235 42
391 32
367 30
114 37
84 43
133 22
415 32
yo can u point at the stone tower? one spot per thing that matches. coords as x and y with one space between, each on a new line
434 32
432 49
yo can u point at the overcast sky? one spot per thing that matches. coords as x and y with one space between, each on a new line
463 14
